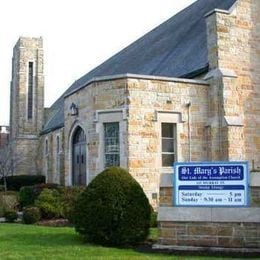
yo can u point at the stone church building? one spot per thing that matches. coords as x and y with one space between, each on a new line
189 90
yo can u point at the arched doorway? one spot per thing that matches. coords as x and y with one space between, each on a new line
79 158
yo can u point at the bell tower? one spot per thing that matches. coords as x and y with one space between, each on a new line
27 103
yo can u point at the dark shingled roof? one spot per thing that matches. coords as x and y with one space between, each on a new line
176 48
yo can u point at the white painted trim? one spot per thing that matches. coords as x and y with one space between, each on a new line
232 9
233 121
220 72
216 11
158 112
199 214
255 179
110 111
166 180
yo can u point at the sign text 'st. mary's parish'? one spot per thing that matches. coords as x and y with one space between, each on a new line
211 184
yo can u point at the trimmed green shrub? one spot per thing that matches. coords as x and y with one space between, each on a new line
113 210
16 182
28 194
49 203
10 216
31 215
69 196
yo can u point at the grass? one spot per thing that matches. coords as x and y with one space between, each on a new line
19 241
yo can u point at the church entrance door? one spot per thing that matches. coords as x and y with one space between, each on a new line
79 158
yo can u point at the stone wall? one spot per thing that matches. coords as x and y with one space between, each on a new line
152 102
53 156
25 156
139 104
24 131
99 102
208 234
234 61
27 50
209 226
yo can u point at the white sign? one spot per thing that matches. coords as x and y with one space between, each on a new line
211 184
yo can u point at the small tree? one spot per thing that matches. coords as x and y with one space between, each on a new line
8 161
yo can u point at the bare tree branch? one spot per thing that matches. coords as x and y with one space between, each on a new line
9 160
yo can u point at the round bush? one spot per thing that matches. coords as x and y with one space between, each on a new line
49 204
113 210
31 215
10 216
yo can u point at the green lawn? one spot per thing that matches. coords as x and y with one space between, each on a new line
19 241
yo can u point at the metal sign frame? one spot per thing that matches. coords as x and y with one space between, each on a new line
212 180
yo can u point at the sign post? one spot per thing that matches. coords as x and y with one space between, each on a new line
212 184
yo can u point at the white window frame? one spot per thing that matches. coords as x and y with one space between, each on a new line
174 140
110 116
174 117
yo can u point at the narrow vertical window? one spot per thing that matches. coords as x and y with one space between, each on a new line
168 144
46 147
30 91
58 144
112 144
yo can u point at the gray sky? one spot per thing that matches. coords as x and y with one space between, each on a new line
78 35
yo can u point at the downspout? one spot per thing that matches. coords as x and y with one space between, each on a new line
220 113
188 105
126 105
